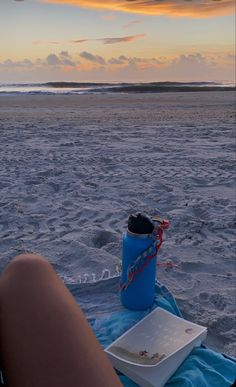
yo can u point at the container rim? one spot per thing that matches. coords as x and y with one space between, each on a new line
133 234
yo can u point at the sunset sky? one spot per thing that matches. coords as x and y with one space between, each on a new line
118 40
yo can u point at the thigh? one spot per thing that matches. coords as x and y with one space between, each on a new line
45 338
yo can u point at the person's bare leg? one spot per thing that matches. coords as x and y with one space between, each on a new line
45 340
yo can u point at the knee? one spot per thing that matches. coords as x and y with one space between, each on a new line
28 258
22 276
27 264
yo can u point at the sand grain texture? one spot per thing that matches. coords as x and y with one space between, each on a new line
74 167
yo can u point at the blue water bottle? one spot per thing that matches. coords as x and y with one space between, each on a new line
138 276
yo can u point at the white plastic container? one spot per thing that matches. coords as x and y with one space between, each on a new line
152 350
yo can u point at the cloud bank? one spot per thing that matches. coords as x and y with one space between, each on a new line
190 8
88 66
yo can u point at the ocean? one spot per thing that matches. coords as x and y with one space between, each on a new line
73 88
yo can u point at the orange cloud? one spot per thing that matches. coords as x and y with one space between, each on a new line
132 22
80 40
123 39
193 8
45 41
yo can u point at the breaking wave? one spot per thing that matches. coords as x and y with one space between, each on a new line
73 88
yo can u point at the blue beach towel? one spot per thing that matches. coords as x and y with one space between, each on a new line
109 319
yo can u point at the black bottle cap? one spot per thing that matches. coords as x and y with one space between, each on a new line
140 224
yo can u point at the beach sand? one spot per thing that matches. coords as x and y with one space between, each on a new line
74 167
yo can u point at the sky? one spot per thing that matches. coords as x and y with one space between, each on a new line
117 40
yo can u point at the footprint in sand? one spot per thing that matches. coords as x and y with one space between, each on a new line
102 238
218 301
222 324
203 296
